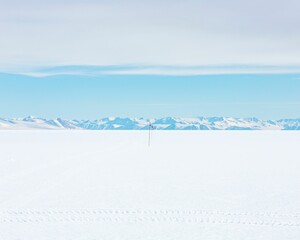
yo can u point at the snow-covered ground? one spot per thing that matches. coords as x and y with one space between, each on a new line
88 185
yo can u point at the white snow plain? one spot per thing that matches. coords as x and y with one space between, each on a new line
90 185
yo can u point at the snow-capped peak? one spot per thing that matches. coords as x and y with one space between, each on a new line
167 123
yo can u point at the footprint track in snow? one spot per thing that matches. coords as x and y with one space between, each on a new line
150 216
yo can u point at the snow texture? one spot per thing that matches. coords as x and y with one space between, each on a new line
88 185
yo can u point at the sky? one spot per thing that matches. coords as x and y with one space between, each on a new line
156 32
93 96
84 59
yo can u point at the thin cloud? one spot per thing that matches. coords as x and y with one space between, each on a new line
156 70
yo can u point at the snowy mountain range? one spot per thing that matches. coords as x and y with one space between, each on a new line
168 123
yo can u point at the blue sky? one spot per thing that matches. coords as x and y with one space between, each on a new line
92 96
94 58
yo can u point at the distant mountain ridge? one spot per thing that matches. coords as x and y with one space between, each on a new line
168 123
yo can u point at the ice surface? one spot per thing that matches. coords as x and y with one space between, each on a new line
83 185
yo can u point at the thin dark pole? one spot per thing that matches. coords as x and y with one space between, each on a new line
149 139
